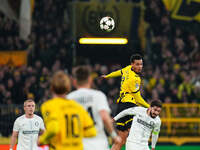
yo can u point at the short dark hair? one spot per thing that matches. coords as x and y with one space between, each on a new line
81 74
157 103
135 57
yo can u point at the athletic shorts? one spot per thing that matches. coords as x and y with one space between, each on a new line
125 122
136 146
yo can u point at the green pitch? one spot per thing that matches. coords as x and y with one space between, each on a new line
167 147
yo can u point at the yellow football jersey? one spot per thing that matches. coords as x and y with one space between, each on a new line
130 81
130 86
66 123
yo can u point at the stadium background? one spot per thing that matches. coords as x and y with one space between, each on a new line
165 32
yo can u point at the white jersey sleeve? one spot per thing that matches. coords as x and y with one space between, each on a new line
129 111
42 124
16 126
155 133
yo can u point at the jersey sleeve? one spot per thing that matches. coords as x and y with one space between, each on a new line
69 96
139 100
89 129
114 74
102 102
129 111
42 125
52 124
155 134
156 129
16 126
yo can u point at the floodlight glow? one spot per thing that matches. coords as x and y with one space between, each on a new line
113 41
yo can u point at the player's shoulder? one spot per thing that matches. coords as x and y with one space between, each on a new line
20 118
47 102
141 109
158 120
77 105
127 67
89 91
71 94
38 117
97 92
53 101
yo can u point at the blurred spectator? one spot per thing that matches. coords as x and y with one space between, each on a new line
171 74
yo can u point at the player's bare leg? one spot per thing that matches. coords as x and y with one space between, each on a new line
123 135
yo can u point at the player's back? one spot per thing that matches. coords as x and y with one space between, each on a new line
74 123
93 101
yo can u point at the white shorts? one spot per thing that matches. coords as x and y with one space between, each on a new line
136 146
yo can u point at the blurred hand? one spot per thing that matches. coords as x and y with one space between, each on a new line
152 148
117 140
103 76
38 142
113 121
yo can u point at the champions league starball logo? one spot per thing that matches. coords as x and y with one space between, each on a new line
92 15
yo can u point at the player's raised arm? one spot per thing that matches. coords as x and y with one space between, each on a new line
114 74
155 134
140 100
129 111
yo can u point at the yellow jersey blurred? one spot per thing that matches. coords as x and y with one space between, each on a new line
66 123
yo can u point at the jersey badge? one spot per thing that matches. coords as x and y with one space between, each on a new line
152 123
137 86
36 123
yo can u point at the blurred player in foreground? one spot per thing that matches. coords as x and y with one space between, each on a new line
27 128
145 122
129 95
95 102
66 121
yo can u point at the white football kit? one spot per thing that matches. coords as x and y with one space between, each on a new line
93 101
28 130
141 129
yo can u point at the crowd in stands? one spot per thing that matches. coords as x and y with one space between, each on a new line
171 65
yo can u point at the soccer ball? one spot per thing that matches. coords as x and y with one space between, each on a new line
107 24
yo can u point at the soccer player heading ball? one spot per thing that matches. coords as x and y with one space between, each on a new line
129 95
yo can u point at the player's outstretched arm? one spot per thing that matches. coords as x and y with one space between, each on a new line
140 100
129 111
114 74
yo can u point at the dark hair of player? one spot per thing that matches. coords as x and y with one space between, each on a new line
156 103
135 57
81 74
60 83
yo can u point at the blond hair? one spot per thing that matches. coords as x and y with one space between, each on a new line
60 83
27 101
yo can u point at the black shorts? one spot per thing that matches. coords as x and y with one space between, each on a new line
125 122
